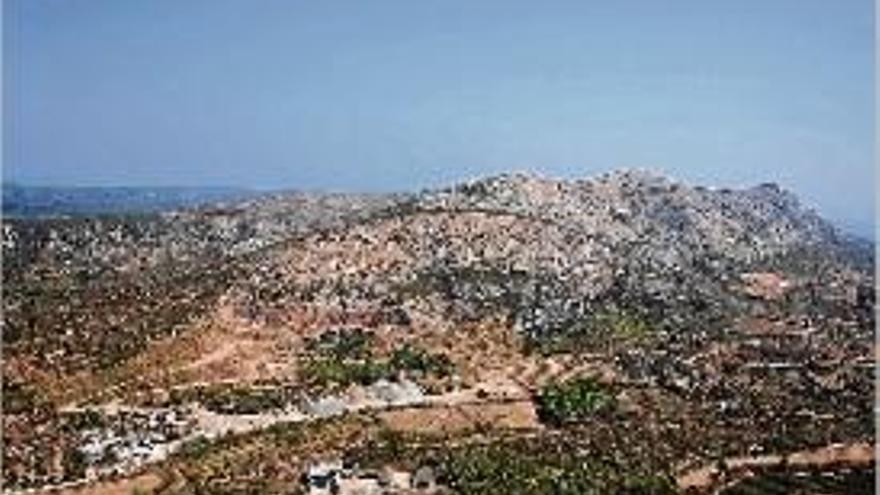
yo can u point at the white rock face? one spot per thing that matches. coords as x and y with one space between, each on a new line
325 406
395 393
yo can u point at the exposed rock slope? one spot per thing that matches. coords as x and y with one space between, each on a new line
722 321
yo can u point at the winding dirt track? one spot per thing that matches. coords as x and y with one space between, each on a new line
708 478
144 483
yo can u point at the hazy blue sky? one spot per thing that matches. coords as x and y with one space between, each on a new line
392 95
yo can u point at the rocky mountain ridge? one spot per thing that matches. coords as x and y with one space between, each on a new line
730 313
630 232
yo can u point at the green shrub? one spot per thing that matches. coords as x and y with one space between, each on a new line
624 325
493 469
89 419
235 398
196 448
18 398
573 401
647 484
409 358
75 464
244 400
345 343
327 370
598 330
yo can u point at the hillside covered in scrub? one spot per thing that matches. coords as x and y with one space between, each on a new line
625 333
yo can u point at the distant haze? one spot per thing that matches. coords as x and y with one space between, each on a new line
401 95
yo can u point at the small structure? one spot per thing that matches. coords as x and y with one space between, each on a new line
321 478
424 478
334 478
